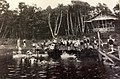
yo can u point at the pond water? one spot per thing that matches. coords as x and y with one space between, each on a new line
49 69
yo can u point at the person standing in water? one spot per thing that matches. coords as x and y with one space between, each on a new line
18 43
18 47
34 46
24 43
111 42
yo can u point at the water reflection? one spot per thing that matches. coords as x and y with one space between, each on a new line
25 68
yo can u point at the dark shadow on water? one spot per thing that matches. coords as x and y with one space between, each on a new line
50 69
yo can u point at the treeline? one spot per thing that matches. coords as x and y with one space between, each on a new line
28 22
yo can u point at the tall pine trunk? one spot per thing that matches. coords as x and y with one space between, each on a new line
50 26
71 24
79 25
82 22
1 28
56 25
68 23
60 22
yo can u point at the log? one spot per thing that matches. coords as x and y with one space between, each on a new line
119 51
106 56
114 57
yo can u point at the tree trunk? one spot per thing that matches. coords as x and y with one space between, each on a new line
78 17
6 34
50 26
2 25
56 25
20 31
75 24
11 32
17 35
71 24
68 23
5 31
82 22
60 22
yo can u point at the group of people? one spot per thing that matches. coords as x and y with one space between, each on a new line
67 44
77 44
73 44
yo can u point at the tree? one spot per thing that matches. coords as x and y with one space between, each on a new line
32 22
102 8
116 10
4 6
28 20
78 13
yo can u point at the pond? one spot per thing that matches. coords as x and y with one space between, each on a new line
71 68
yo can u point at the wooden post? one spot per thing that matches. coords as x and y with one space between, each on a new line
100 56
98 33
119 51
119 8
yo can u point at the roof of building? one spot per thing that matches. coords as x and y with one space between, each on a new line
102 17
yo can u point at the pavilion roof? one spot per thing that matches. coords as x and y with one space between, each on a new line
102 17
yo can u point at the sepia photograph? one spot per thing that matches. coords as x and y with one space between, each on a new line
59 39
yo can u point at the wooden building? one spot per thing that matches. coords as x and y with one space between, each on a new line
102 23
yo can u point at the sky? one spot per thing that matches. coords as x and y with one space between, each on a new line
53 3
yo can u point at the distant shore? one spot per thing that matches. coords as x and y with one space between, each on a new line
12 43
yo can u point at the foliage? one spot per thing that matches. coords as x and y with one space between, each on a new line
31 22
116 10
